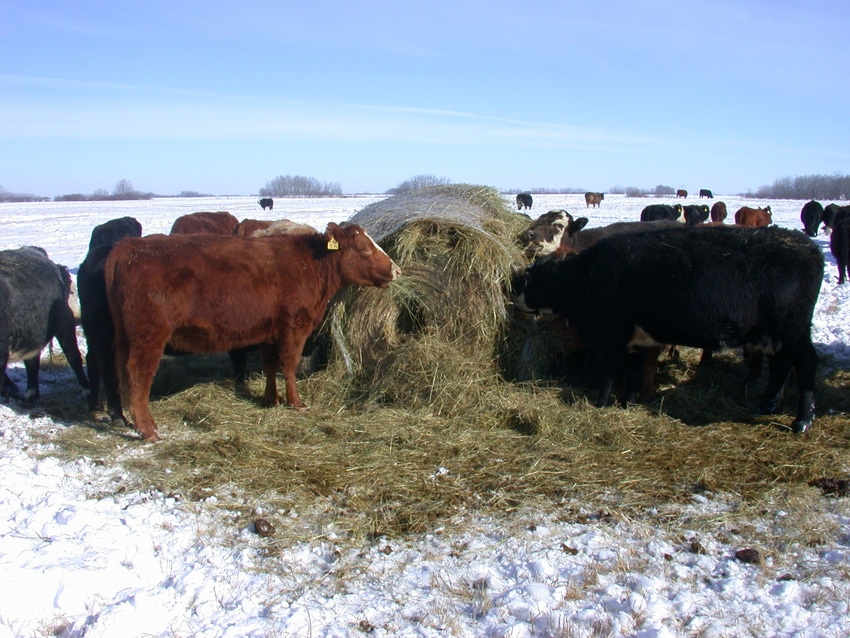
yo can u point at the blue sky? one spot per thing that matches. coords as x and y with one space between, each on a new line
222 96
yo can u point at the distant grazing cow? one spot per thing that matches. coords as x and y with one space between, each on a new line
95 317
544 235
641 290
659 212
34 294
718 212
811 215
696 214
839 246
593 199
704 192
218 223
266 203
754 217
681 193
248 227
207 293
523 200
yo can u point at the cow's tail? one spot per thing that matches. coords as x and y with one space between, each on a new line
119 342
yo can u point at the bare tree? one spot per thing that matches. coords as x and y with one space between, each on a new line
419 181
123 188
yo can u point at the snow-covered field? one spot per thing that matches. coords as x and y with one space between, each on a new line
80 558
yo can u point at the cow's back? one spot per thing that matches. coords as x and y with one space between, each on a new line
214 223
35 295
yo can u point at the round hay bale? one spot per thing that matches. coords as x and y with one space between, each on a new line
438 330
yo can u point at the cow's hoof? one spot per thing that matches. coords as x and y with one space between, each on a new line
801 425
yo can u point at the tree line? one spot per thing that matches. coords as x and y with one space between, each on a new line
834 187
819 187
299 186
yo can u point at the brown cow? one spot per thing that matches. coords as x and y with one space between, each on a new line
753 217
210 293
718 212
681 193
218 223
593 199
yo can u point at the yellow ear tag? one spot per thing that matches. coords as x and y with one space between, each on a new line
333 244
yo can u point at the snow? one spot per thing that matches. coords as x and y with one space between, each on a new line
79 557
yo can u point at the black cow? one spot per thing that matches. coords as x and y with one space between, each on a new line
696 214
704 192
266 203
641 290
111 232
523 200
831 213
34 294
95 317
811 215
839 245
658 212
544 234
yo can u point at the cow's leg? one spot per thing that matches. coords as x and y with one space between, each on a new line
755 362
805 361
140 368
289 351
639 374
32 365
610 367
67 338
94 372
271 366
110 389
239 359
779 367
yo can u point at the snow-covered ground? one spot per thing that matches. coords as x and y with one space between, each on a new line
80 558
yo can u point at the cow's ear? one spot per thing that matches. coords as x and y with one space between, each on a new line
332 233
576 225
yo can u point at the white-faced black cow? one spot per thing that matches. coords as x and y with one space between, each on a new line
524 200
544 235
95 317
641 290
657 212
34 308
266 203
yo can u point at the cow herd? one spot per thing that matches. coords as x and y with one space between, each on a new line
216 284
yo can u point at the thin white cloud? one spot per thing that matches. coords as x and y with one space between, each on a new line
103 110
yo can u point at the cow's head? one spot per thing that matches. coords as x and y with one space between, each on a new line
544 235
362 261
